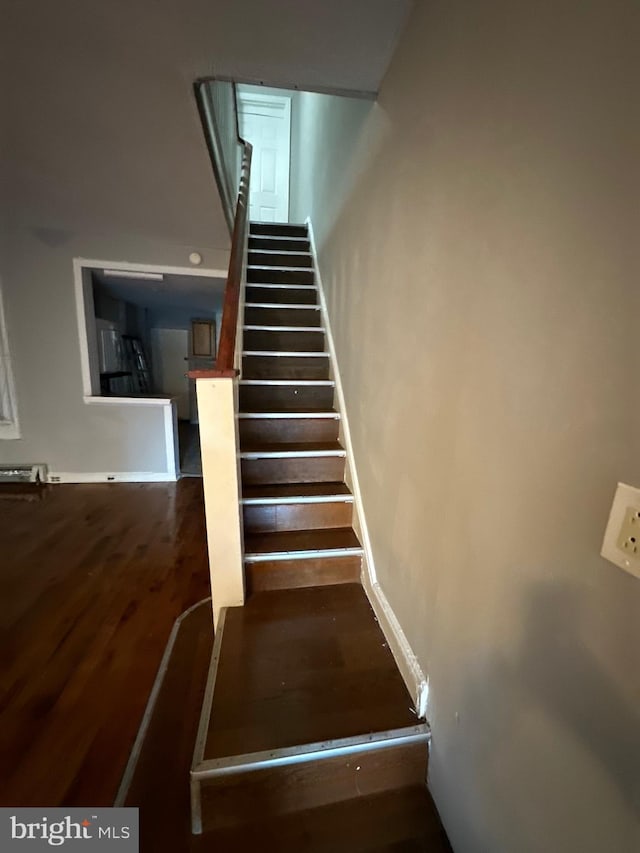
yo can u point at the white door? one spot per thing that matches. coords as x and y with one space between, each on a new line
265 122
169 351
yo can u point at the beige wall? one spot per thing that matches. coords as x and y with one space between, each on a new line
481 266
328 135
104 159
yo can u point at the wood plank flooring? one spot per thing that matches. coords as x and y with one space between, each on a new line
293 541
304 665
401 820
92 578
290 490
160 783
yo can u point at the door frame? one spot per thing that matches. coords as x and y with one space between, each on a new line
278 102
85 313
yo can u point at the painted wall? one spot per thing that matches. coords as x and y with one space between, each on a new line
102 156
480 262
106 160
221 115
328 136
169 349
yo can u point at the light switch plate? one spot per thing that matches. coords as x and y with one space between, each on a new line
621 544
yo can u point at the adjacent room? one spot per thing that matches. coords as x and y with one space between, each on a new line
151 328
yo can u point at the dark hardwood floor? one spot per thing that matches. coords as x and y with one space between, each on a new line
393 820
160 783
91 580
304 665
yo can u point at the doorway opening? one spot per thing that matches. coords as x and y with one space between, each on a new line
264 116
141 331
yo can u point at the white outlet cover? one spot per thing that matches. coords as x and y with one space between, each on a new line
625 497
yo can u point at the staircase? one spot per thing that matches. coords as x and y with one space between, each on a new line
297 508
306 719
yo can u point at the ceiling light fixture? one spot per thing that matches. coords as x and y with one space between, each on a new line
147 276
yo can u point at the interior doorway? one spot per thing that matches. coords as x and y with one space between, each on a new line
265 122
141 331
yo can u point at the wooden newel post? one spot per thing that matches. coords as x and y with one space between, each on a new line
217 408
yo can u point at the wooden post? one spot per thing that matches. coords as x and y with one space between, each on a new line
217 407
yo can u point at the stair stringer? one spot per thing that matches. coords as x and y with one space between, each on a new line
416 681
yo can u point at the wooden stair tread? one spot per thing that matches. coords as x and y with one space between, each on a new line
299 411
291 490
300 666
287 410
287 244
292 541
284 355
294 447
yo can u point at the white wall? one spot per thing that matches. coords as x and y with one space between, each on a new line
328 134
105 159
169 349
480 262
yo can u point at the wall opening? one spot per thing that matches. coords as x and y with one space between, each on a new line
137 342
9 426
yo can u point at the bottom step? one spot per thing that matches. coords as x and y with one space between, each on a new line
304 706
280 782
399 821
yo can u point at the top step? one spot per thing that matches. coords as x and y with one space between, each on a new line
278 229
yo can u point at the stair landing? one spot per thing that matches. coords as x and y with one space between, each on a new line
303 665
306 707
390 820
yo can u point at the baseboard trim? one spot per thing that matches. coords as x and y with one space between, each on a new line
410 669
56 477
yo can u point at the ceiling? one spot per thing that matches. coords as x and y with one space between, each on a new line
307 43
327 43
192 292
103 139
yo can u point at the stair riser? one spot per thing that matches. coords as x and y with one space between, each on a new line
281 517
284 367
273 276
279 244
283 295
259 431
282 790
296 573
283 341
308 469
277 229
272 398
280 259
282 316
